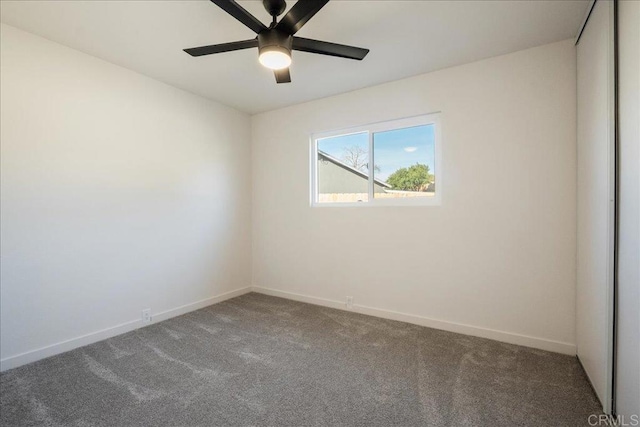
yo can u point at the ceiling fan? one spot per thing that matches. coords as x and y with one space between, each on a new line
276 41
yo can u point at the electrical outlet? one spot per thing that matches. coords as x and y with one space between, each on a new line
146 315
349 303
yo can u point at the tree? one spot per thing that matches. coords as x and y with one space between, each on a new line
358 158
413 178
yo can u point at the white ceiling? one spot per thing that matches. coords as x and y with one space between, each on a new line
406 38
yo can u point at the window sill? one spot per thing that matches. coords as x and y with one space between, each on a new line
381 204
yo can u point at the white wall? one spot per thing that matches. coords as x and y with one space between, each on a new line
628 322
498 254
118 193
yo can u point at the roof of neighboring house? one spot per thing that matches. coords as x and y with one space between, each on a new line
325 156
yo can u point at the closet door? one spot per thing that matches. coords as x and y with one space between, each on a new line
627 395
596 199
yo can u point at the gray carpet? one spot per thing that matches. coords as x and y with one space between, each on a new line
264 361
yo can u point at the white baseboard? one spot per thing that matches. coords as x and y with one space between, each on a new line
507 337
64 346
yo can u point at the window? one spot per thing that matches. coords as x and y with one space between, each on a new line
389 163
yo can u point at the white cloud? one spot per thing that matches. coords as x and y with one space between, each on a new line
410 149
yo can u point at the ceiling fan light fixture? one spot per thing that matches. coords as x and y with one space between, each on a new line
275 57
276 42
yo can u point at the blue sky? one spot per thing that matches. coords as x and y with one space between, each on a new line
392 149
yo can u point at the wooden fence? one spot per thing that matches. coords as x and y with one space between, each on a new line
357 197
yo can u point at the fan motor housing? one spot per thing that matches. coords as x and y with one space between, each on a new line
275 40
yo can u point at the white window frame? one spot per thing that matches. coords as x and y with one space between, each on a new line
370 129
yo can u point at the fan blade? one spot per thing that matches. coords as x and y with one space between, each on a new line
282 76
219 48
327 48
238 12
299 14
